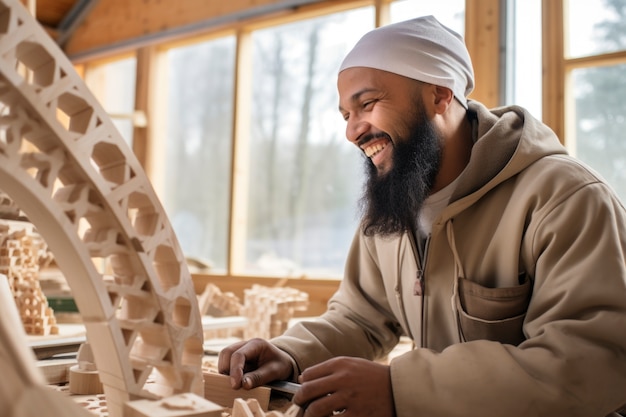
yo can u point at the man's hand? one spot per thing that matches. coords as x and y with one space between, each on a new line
253 363
350 386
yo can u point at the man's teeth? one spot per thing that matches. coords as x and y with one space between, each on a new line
374 149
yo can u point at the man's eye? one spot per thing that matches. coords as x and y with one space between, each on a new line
368 104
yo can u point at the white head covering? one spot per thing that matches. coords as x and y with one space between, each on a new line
421 49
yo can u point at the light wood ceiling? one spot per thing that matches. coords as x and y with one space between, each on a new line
60 18
96 27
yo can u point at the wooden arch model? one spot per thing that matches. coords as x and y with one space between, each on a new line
66 166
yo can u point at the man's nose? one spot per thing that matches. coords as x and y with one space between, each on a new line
355 129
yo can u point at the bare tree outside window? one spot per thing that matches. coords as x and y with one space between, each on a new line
198 147
305 178
599 91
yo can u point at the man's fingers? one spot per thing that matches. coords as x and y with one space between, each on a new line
223 361
251 380
320 370
253 363
313 391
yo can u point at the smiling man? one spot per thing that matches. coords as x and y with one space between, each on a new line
499 255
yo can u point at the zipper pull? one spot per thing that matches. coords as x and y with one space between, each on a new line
418 287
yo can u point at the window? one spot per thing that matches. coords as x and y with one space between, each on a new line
304 175
523 68
195 163
594 27
113 85
595 62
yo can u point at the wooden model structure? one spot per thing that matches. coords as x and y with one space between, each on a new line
65 165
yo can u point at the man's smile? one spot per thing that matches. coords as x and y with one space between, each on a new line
374 144
374 148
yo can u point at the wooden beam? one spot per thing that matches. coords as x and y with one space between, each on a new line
553 66
238 221
74 17
145 73
383 12
482 37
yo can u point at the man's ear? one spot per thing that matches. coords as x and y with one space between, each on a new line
442 97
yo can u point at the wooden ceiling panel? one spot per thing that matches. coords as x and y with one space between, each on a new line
50 13
114 22
87 26
60 18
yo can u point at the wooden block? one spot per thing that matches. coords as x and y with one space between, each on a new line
241 409
294 411
217 389
84 377
83 382
180 405
56 371
251 408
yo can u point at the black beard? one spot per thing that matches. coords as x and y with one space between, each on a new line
391 201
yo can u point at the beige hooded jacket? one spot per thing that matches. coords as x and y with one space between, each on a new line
523 308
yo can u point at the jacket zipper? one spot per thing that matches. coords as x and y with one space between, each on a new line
420 285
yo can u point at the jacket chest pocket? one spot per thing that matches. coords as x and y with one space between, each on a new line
492 313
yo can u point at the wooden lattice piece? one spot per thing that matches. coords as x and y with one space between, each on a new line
65 165
269 309
251 408
226 304
22 252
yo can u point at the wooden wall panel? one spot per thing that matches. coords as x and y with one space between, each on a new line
482 37
553 66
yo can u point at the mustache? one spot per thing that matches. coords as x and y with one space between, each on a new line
372 136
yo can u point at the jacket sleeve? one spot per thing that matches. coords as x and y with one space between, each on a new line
358 321
573 361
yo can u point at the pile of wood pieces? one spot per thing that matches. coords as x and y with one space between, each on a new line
191 405
216 303
219 400
22 253
268 309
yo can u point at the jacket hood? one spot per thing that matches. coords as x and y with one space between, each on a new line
506 141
